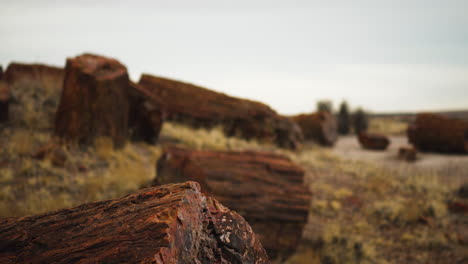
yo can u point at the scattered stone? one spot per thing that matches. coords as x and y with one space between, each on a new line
320 127
373 141
463 191
431 132
94 101
407 153
199 107
54 151
266 189
168 224
457 207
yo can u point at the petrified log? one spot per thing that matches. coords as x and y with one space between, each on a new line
4 101
373 141
320 127
200 107
407 153
1 72
146 116
169 224
431 132
266 189
34 94
94 101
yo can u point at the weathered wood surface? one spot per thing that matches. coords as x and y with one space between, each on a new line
34 91
94 101
168 224
200 107
373 141
266 189
146 116
431 132
320 127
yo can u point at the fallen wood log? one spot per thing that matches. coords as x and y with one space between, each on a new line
199 107
431 132
320 127
94 101
266 189
34 91
373 141
168 224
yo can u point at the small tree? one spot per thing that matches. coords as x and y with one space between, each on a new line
325 106
360 121
344 119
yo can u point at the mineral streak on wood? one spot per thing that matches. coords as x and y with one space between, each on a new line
431 132
266 189
94 101
168 224
4 101
320 127
146 116
373 141
200 107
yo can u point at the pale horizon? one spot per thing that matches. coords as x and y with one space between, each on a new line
392 56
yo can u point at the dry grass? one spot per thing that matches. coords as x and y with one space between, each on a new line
387 126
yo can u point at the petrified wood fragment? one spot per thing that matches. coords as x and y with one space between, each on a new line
34 94
320 127
94 101
408 153
4 101
431 132
200 107
266 189
373 141
168 224
146 116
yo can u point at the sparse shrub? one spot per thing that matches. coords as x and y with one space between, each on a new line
344 121
360 121
325 106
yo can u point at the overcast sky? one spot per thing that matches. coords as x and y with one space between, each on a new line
382 55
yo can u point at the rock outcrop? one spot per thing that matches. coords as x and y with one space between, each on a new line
94 102
168 224
199 107
373 141
266 189
431 132
34 91
320 127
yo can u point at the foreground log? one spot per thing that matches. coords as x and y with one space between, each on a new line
170 224
373 141
430 132
200 107
34 94
266 189
146 115
94 101
320 127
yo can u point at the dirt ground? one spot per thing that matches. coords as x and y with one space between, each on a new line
454 168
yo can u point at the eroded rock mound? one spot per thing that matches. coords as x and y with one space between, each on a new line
34 91
320 127
200 107
373 141
431 132
266 189
94 101
168 224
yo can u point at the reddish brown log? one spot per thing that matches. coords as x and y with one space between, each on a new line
200 107
4 101
169 224
266 189
94 101
1 72
407 153
431 132
34 94
373 141
146 116
320 127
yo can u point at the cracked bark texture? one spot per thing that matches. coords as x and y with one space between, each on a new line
173 223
